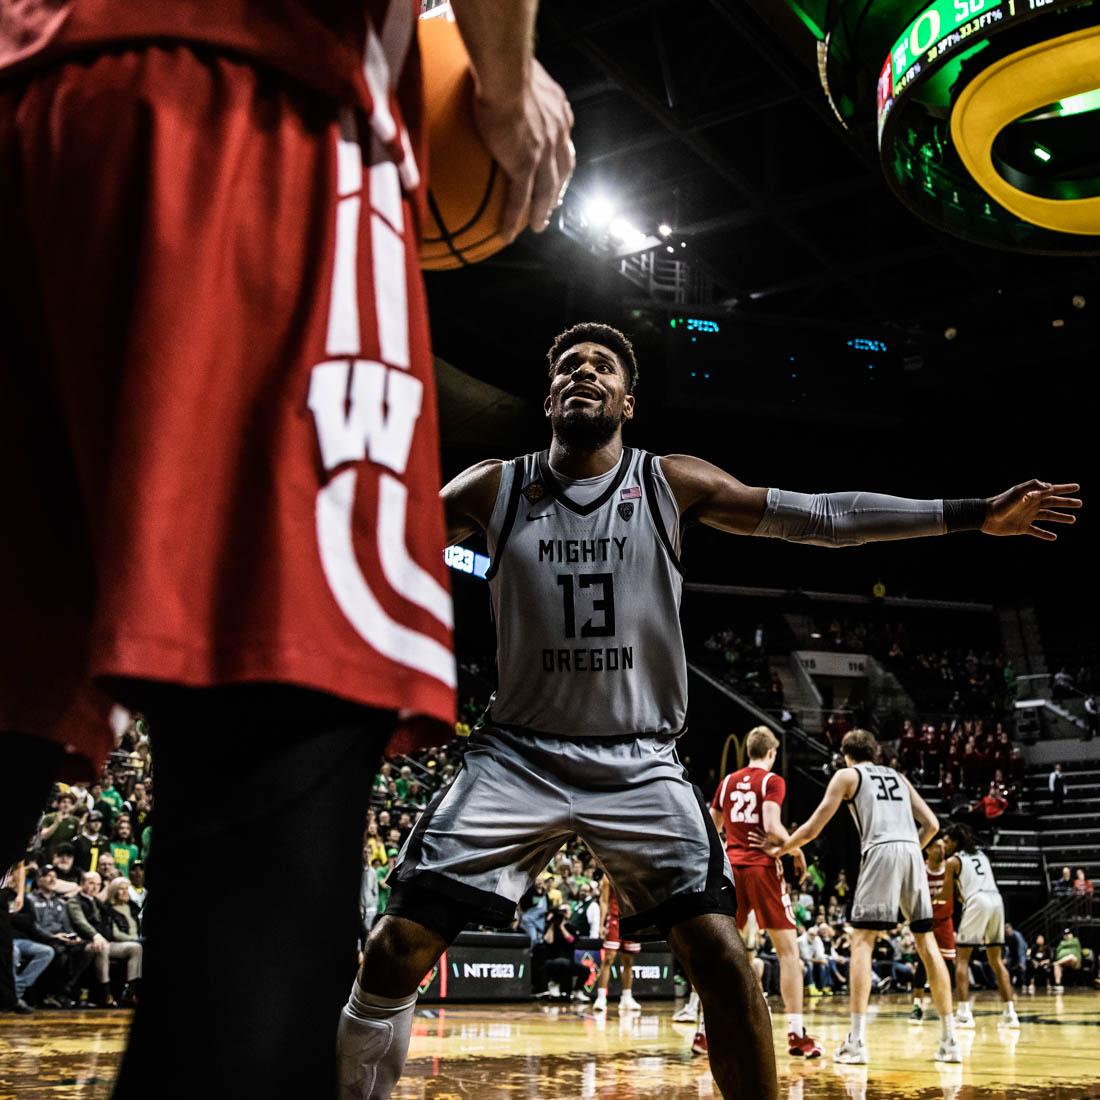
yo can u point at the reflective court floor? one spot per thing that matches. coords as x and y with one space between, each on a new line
523 1052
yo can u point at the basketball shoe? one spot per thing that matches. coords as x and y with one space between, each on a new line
852 1052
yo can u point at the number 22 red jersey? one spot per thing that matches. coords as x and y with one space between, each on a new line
740 798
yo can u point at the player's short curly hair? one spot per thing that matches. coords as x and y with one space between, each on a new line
860 746
596 333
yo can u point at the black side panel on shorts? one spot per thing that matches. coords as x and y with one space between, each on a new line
717 897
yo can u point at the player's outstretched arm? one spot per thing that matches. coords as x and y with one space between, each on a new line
772 820
841 787
522 113
927 821
709 495
469 498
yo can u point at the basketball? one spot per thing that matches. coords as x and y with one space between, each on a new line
466 188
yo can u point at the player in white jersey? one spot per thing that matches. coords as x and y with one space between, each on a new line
580 737
891 879
970 875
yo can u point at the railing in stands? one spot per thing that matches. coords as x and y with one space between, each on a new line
1059 912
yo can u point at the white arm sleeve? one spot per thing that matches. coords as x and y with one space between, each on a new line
848 519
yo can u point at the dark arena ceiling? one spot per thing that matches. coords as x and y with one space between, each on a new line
798 307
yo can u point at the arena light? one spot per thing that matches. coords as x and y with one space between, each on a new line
1042 152
629 237
598 211
1079 301
664 229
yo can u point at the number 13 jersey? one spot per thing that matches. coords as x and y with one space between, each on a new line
881 806
586 602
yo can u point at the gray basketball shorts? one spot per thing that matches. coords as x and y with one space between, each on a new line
519 796
892 881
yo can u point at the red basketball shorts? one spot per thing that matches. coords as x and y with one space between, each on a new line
612 940
761 889
944 931
220 447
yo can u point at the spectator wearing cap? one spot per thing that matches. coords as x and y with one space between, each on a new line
91 842
68 874
123 849
57 827
45 919
1067 956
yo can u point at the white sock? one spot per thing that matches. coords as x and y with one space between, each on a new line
859 1019
601 994
1010 1008
964 1008
693 1001
947 1027
794 1023
372 1041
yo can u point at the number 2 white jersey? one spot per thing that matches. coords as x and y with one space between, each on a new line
586 601
975 875
881 807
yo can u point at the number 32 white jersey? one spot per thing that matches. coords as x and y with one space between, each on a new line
586 599
881 807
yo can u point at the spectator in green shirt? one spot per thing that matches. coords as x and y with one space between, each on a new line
110 795
402 782
123 849
59 827
1067 956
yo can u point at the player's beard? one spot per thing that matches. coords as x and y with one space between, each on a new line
582 430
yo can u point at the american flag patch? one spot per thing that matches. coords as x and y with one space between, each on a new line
633 493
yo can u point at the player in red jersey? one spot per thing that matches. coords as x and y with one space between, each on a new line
744 801
221 459
943 913
614 945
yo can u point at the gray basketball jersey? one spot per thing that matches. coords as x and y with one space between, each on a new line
586 601
975 875
881 807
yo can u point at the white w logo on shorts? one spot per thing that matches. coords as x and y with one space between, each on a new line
365 409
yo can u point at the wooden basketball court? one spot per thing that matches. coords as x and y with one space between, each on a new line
561 1053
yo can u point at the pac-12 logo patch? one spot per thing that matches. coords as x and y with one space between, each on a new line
535 491
626 509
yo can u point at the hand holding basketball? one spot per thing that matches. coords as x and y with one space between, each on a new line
1017 511
529 138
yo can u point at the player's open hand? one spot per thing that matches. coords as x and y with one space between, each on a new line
529 138
1021 508
768 843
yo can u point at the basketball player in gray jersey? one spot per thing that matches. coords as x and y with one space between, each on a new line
968 872
580 737
887 812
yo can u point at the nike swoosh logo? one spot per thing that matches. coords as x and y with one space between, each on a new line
541 515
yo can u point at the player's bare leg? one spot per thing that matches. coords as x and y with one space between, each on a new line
939 984
785 942
964 1016
742 1057
1004 985
853 1050
626 999
604 980
375 1024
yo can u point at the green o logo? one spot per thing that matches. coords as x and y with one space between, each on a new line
932 17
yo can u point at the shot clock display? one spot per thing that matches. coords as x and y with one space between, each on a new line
987 111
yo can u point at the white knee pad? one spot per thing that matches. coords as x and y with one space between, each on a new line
372 1041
